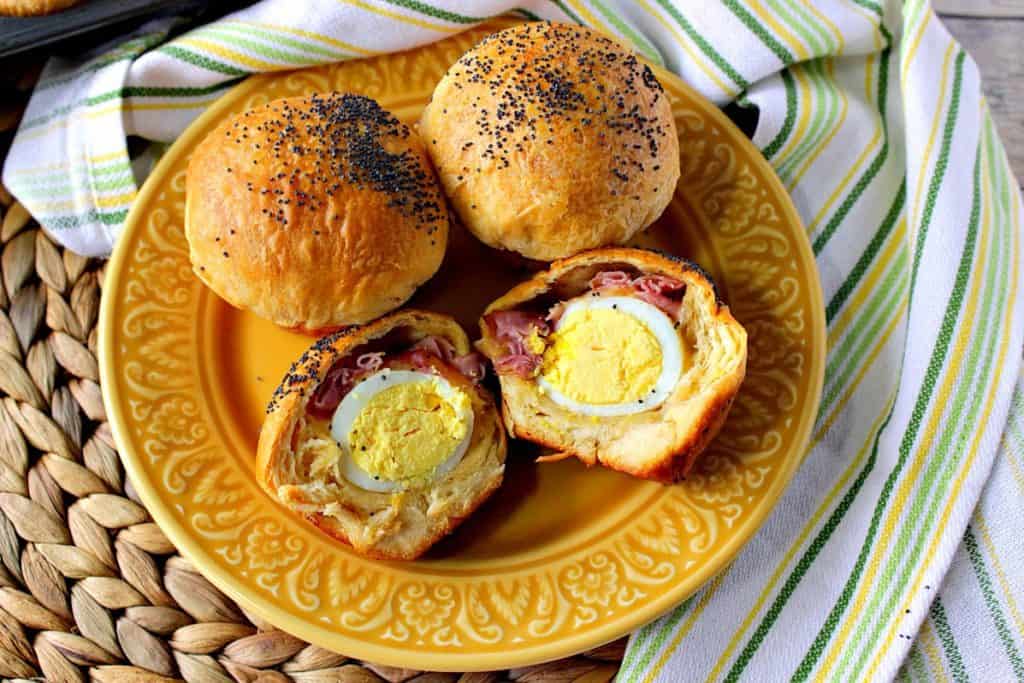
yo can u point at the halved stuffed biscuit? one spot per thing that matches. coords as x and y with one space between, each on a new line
623 357
383 437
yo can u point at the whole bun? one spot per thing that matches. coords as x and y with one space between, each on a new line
314 212
550 139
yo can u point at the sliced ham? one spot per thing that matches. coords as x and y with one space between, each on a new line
516 325
442 348
346 373
471 365
419 359
610 278
525 365
338 382
511 329
371 362
658 283
657 290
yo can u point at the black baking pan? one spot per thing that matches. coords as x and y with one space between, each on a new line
92 22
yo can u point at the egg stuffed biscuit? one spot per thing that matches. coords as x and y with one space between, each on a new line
382 435
622 357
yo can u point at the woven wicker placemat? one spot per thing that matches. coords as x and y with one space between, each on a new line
89 586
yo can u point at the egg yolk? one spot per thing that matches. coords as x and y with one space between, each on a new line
534 343
407 430
602 357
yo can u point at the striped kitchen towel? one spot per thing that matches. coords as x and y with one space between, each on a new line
879 561
975 624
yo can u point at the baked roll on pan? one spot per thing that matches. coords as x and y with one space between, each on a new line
621 357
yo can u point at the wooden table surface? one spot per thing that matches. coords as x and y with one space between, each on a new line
992 31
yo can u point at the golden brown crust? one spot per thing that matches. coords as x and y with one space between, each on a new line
380 525
314 212
550 139
661 444
31 8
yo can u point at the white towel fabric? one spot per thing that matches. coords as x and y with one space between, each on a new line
873 117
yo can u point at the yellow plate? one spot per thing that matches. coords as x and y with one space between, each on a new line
561 559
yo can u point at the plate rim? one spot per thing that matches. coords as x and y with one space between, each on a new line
265 608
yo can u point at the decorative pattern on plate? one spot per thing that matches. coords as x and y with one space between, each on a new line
454 615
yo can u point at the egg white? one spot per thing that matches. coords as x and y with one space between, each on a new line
355 401
664 331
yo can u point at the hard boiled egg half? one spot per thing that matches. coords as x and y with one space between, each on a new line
401 428
611 355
